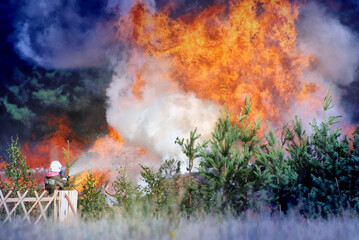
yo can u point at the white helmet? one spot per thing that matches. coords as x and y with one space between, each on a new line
55 166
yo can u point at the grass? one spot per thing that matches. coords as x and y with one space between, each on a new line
205 227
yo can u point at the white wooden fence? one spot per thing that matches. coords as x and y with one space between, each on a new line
62 206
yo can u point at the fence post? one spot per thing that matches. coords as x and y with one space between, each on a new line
67 205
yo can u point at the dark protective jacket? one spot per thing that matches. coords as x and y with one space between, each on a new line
52 182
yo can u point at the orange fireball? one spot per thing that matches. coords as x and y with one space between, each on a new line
224 53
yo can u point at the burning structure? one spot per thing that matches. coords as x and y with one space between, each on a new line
167 71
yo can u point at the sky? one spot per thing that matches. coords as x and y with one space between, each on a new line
55 61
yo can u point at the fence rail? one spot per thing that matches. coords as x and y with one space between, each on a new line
63 205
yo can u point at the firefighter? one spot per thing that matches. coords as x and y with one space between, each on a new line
55 178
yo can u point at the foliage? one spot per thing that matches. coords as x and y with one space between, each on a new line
92 203
155 189
327 170
279 176
317 173
126 193
170 169
69 163
228 174
16 169
352 170
192 152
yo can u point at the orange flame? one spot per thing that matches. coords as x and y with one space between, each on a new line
225 52
50 148
100 175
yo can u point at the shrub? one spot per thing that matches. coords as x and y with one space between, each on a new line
17 171
327 170
278 175
192 151
92 202
228 174
126 193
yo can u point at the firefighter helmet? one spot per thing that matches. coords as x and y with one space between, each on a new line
55 166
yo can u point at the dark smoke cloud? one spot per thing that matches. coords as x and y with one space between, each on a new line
77 95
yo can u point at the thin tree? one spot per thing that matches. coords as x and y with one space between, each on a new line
192 151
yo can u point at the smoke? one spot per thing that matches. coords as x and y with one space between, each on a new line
160 114
67 34
23 114
334 45
109 155
73 34
336 50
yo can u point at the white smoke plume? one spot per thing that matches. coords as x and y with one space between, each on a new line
112 155
160 115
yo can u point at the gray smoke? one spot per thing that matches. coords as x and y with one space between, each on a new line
334 45
336 49
68 34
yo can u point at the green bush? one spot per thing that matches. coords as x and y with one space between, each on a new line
126 193
17 171
229 172
278 175
327 170
92 202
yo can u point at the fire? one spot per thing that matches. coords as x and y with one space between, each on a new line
101 179
111 147
50 148
224 53
106 146
115 135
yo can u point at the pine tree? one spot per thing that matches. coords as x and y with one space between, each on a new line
92 203
192 151
228 174
297 145
353 173
16 169
279 177
322 162
126 193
